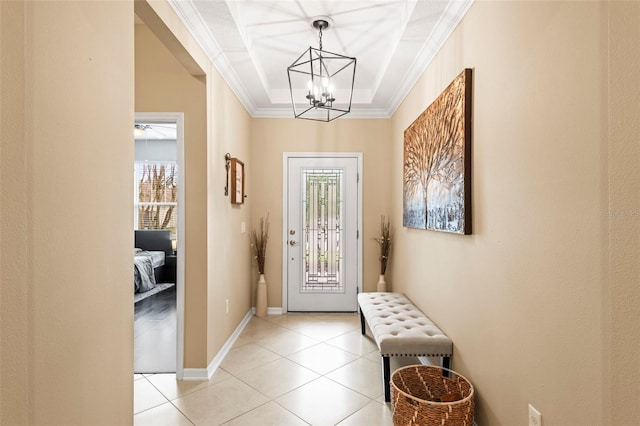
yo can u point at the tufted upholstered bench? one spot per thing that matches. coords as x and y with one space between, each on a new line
401 329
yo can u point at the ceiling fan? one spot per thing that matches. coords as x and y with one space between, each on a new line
164 131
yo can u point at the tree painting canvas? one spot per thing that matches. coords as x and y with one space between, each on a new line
437 162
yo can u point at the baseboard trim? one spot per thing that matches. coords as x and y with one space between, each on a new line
270 311
195 374
202 374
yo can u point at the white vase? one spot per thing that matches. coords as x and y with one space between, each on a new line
261 298
382 285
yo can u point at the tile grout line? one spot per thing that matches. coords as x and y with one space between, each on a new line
259 335
369 400
155 406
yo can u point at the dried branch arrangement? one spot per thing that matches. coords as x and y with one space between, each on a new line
259 243
384 243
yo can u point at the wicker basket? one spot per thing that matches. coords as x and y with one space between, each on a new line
416 390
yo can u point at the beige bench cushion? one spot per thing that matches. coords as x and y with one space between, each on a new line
401 329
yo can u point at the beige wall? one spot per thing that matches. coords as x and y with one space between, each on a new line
526 297
14 316
66 354
270 138
164 85
67 114
623 224
216 253
229 257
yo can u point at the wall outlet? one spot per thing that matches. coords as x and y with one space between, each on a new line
535 418
227 305
243 227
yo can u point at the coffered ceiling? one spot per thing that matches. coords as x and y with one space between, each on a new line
252 42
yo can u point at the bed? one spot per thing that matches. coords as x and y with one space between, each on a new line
152 247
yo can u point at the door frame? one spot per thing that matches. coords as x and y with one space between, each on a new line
285 214
178 119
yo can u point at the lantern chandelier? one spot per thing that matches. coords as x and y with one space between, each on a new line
321 82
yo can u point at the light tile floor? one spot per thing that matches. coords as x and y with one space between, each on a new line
294 369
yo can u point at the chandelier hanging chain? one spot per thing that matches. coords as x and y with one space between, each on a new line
320 37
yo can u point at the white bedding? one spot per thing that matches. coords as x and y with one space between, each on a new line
157 257
144 263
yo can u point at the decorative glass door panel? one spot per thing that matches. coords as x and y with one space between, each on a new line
322 234
321 229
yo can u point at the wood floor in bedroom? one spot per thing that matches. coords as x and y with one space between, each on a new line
154 327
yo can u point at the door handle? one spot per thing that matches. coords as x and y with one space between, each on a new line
292 243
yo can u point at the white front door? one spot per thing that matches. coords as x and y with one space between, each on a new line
322 233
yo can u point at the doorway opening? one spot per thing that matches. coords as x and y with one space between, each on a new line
159 233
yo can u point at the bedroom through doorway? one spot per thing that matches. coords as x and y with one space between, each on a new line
158 232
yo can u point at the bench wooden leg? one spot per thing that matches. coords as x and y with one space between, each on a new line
446 363
386 378
362 322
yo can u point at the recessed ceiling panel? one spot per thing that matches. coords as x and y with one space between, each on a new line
252 42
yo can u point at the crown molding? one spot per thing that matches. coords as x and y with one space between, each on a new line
186 11
441 32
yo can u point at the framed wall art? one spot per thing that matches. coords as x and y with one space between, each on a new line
237 181
437 162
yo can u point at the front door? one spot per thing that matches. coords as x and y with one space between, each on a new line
322 233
